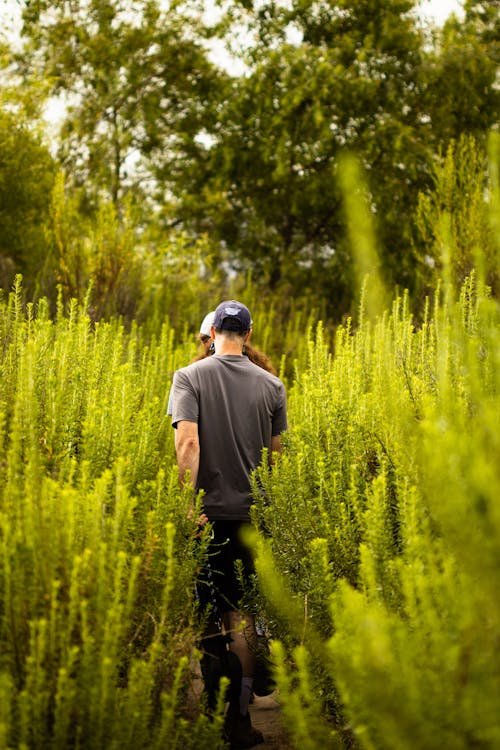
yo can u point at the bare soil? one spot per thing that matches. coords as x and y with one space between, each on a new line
265 713
266 716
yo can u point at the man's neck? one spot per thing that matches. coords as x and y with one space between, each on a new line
228 347
224 345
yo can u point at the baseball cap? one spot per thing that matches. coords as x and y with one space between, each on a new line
232 316
206 323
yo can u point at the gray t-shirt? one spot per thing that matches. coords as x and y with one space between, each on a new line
238 407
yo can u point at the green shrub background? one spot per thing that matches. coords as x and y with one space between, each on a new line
382 520
378 530
97 556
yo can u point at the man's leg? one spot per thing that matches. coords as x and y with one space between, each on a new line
241 628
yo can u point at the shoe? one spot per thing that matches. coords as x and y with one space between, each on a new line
240 732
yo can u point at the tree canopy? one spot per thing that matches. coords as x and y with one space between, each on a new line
245 157
268 186
27 173
134 78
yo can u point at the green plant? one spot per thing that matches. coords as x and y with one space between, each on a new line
382 555
97 554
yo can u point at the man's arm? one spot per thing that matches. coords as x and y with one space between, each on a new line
187 448
279 423
276 445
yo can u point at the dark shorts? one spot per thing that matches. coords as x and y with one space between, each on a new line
220 585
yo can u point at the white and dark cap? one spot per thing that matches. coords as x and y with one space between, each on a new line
232 316
206 323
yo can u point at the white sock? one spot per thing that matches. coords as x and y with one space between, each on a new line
246 692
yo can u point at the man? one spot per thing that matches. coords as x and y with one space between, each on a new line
226 410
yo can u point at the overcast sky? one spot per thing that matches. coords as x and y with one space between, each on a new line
440 9
437 10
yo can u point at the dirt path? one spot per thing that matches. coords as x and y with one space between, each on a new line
265 713
266 716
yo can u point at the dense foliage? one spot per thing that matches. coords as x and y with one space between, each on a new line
244 156
97 555
378 539
379 558
347 161
27 174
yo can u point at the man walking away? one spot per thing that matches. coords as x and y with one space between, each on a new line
226 410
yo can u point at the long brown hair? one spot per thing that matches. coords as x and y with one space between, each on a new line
254 355
259 358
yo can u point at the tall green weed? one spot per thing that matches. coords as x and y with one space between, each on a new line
383 530
97 554
379 537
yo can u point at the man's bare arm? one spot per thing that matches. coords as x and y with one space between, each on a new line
276 445
187 448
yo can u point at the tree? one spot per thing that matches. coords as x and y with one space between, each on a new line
132 77
462 69
455 216
27 173
267 186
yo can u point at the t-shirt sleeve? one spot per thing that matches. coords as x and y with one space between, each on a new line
280 423
185 406
170 404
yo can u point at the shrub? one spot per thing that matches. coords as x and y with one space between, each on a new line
381 562
97 555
